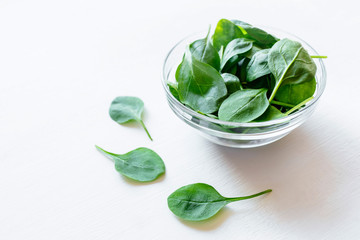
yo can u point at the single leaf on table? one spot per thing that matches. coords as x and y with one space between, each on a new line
296 93
258 66
232 82
125 109
225 32
141 164
200 201
205 52
261 37
271 113
290 63
200 86
244 105
236 47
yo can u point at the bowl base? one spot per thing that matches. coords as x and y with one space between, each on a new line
242 143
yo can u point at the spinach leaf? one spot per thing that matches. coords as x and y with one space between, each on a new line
290 63
242 69
262 82
225 32
231 65
200 86
200 201
252 52
236 47
125 109
204 51
141 164
258 66
232 82
244 105
262 38
296 93
271 113
173 90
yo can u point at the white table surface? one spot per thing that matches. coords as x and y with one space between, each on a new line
63 62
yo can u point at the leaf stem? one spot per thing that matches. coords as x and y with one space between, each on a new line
282 104
106 152
248 197
147 132
299 105
317 56
241 87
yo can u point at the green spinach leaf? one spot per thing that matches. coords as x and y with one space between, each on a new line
236 47
204 51
271 113
262 38
200 86
244 105
232 82
225 32
173 90
125 109
262 82
242 69
290 63
141 164
258 66
296 93
200 201
252 52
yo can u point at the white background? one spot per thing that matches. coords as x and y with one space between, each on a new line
63 62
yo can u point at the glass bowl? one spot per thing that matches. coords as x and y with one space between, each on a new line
240 135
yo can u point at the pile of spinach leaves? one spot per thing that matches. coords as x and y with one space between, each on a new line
243 74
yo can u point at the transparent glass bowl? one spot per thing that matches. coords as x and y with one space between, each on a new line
240 135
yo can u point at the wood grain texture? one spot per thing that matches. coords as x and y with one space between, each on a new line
62 63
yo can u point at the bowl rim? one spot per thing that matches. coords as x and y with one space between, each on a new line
320 87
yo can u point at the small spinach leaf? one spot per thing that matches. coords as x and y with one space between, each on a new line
262 38
252 52
244 105
125 109
173 90
141 164
200 86
200 201
232 82
204 51
271 113
258 66
225 32
290 63
236 47
296 93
